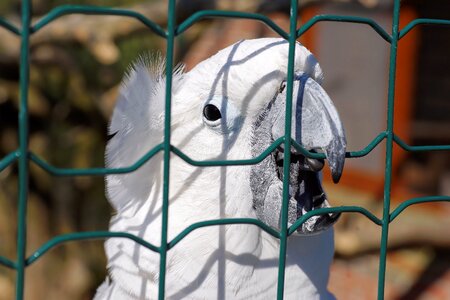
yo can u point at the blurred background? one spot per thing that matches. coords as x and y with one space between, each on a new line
78 61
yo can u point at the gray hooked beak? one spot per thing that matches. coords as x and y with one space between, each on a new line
315 123
317 127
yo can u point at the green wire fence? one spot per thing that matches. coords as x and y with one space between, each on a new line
22 156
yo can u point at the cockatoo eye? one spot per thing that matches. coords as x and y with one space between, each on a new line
221 115
211 113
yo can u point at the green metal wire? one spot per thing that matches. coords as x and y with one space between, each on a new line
240 162
228 221
7 263
9 160
205 163
94 171
337 209
22 156
413 201
7 25
95 10
91 235
420 148
346 19
23 148
389 148
167 148
416 22
229 14
287 145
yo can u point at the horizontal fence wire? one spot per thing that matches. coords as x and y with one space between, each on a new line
227 221
8 26
345 19
7 263
9 160
418 200
56 171
91 235
94 171
420 148
98 11
329 210
22 156
229 14
421 21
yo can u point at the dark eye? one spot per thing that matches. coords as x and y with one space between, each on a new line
211 112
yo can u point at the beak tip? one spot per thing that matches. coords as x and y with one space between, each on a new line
336 170
335 153
336 176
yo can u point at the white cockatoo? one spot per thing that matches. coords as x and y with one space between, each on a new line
229 107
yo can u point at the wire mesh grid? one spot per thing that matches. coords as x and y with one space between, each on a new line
22 156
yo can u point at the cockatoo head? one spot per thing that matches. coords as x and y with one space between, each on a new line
230 106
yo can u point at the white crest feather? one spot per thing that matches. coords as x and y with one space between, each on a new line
137 124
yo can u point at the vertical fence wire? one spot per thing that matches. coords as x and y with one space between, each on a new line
22 154
287 145
23 149
389 150
167 117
